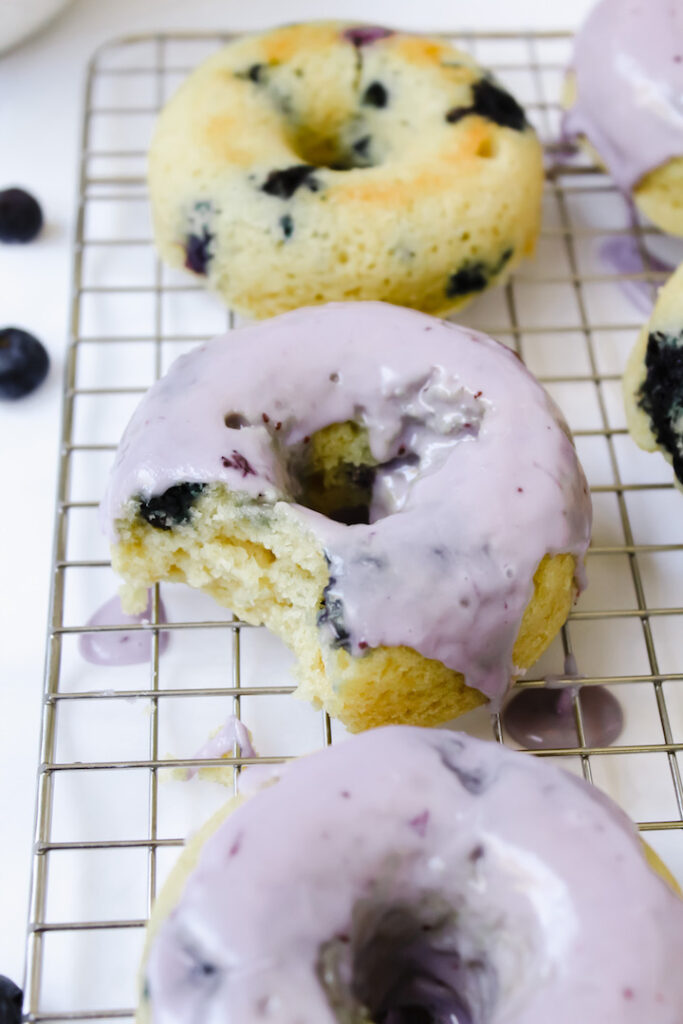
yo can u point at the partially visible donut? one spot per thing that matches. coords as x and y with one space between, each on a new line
414 876
625 98
653 381
326 161
395 496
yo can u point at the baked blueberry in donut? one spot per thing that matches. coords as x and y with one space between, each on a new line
380 143
653 381
394 894
354 469
173 507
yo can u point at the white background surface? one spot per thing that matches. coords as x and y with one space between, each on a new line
40 105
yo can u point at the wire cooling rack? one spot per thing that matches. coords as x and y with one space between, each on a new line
109 819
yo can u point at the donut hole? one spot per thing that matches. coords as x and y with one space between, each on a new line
334 471
406 965
337 147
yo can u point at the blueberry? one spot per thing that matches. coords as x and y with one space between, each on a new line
474 275
498 105
331 614
21 217
493 103
197 253
375 95
287 225
364 35
661 393
11 998
173 507
23 363
283 184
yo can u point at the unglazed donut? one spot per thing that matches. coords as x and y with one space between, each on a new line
625 92
653 381
418 875
327 161
396 497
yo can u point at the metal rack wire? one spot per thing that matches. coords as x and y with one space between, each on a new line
564 314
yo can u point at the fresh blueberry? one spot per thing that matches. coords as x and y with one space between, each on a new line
493 103
283 184
197 253
21 217
661 393
375 95
23 363
173 507
11 999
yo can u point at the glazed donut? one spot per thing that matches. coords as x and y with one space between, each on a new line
625 92
418 875
395 496
653 381
327 161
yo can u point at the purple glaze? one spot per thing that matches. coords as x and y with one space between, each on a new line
446 563
629 86
364 35
121 647
544 719
542 903
624 255
233 732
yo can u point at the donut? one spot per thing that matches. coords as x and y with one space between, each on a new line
396 497
329 161
418 875
625 94
653 380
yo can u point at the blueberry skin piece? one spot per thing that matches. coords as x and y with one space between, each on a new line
21 217
11 999
23 363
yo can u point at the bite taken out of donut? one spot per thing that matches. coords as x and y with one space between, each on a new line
653 380
416 876
325 161
394 496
